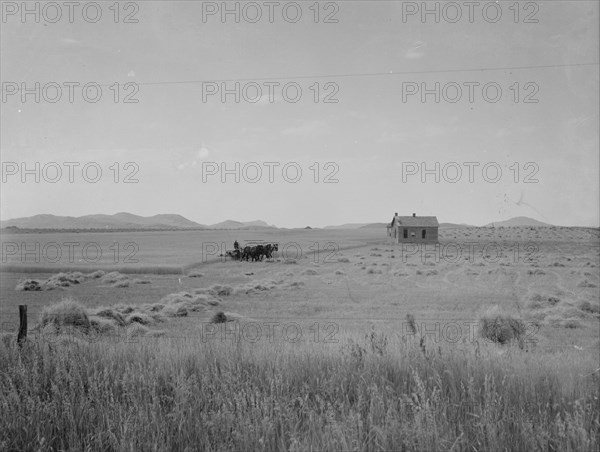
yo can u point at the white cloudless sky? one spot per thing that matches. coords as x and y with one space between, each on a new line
541 158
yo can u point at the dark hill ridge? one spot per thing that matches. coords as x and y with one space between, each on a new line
455 226
517 221
120 220
123 221
347 226
232 224
374 225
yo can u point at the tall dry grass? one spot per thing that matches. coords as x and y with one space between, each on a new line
368 394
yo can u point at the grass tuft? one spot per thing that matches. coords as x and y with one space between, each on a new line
502 328
67 312
219 317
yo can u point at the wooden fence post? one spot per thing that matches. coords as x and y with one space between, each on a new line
22 324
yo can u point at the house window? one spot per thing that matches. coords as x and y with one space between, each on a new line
405 233
423 233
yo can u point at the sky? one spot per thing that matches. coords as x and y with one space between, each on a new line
347 113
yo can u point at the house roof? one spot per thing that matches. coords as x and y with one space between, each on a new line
416 221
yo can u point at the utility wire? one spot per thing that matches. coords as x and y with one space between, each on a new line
360 74
378 74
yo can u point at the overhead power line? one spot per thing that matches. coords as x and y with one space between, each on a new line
359 74
373 74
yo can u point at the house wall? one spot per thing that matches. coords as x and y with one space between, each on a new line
431 234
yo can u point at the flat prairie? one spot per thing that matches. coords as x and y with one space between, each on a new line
328 295
355 279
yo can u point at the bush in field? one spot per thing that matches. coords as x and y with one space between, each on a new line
57 281
174 310
142 319
155 307
136 330
219 317
571 323
591 308
586 283
538 301
222 290
111 314
29 285
67 312
103 325
97 274
180 303
257 286
64 280
502 328
113 277
121 284
124 309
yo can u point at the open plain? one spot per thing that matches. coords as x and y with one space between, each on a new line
343 341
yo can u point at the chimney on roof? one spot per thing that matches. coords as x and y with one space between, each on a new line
414 214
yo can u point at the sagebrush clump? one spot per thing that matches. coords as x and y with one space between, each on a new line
502 328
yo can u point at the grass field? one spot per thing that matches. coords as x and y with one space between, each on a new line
162 251
319 353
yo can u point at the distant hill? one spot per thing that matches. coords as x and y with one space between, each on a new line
517 221
121 220
347 226
357 226
258 223
227 224
162 219
374 226
232 224
455 225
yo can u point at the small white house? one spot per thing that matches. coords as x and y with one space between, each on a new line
413 229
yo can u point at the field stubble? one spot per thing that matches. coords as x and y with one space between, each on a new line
374 387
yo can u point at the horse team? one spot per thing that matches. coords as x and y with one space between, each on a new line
255 253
